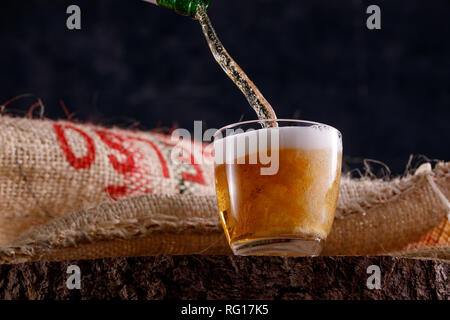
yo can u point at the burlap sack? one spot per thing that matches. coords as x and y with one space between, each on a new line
73 191
49 169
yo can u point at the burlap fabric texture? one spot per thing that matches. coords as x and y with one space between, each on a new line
74 191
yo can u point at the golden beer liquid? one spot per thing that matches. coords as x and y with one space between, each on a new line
298 202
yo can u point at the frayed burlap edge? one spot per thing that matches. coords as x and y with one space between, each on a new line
439 253
378 224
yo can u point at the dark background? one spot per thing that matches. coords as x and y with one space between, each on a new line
386 90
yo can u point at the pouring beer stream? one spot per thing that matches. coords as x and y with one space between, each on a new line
254 97
197 9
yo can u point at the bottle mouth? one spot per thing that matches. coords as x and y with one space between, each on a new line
189 7
206 3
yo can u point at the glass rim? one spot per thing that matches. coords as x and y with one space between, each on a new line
276 120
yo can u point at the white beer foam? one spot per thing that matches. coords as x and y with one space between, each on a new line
315 137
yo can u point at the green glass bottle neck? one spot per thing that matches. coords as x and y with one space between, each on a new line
184 7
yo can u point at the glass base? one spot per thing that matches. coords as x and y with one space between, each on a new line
278 247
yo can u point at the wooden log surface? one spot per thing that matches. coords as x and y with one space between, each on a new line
228 277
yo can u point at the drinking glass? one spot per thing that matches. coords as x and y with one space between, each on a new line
277 185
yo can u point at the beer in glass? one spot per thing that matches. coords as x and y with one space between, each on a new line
277 185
